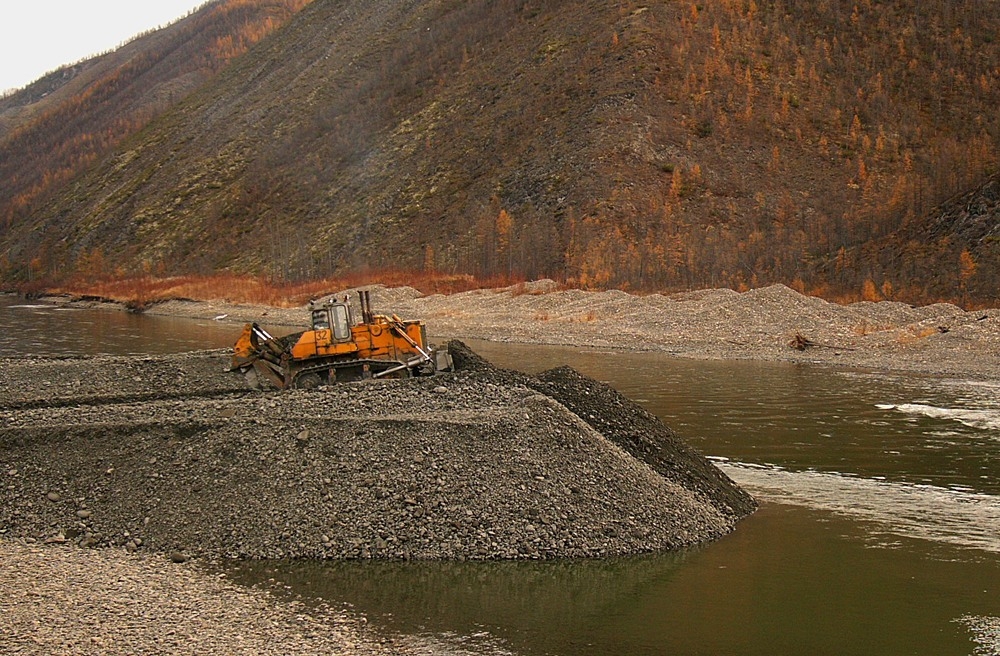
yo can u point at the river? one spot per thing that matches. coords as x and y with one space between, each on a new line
878 533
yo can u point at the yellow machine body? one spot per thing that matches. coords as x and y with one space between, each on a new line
337 349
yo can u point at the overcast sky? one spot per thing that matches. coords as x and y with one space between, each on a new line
38 36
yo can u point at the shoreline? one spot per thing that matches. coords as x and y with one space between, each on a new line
45 581
60 599
763 324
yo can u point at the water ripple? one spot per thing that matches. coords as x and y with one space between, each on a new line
928 512
982 418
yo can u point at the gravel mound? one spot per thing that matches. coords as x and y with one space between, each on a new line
760 324
479 464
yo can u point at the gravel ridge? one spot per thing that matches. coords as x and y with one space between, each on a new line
479 464
759 324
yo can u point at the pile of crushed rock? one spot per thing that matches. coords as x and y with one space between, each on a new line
175 454
761 324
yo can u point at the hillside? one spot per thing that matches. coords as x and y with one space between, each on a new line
643 145
70 118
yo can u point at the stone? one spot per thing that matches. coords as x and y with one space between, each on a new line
53 496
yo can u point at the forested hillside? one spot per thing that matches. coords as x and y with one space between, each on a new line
635 144
68 119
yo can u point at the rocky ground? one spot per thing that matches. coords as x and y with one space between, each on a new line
63 600
174 454
761 324
169 458
327 438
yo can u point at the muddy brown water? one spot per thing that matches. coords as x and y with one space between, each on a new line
879 529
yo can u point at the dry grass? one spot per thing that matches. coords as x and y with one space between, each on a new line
139 293
584 318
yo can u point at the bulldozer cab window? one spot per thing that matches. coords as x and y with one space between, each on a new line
341 322
320 320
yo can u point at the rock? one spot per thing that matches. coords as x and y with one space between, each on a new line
53 496
178 557
83 514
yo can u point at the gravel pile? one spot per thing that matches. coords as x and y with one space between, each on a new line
480 464
719 324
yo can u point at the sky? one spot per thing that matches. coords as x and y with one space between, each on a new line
38 36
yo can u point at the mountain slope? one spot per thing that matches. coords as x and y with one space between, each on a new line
654 144
956 248
68 119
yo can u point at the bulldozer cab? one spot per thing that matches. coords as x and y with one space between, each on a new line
335 317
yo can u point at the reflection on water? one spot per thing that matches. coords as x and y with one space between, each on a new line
485 600
789 581
43 329
879 532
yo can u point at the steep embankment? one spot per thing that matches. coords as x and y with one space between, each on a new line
659 145
482 463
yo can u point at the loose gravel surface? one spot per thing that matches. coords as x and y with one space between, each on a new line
708 324
62 600
479 464
164 459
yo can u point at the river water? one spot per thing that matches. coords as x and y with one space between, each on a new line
878 533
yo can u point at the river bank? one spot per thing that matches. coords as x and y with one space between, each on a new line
492 319
64 600
773 323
